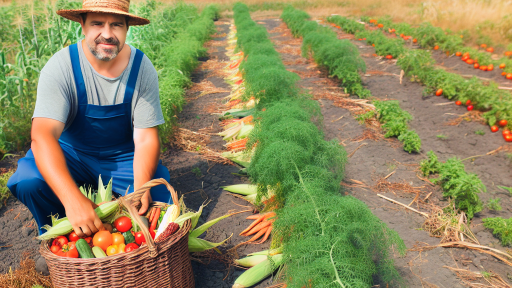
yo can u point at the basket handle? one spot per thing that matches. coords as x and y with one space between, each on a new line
127 202
137 194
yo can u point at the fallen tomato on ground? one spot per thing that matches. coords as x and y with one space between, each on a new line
470 107
468 102
439 92
494 129
458 102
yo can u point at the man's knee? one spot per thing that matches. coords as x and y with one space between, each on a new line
27 188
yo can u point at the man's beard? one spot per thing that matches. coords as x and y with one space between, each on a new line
105 54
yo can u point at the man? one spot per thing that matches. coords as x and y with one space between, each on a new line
96 113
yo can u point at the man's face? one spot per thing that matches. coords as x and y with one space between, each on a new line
105 34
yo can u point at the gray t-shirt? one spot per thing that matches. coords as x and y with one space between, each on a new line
57 98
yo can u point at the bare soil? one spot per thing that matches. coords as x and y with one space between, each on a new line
374 160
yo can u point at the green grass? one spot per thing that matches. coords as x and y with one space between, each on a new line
4 191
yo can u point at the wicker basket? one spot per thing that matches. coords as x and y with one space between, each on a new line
162 264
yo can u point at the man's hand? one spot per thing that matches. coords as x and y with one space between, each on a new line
145 201
83 218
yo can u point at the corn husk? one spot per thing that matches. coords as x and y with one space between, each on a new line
259 272
200 245
63 226
242 189
250 261
170 215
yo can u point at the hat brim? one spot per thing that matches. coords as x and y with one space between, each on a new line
74 15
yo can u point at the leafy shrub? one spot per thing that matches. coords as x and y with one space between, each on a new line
502 228
411 140
430 165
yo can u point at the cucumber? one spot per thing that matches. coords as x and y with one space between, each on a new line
98 252
84 250
128 237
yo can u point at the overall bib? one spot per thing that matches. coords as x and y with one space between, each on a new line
98 142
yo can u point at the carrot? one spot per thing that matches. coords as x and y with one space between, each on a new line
155 219
253 217
247 119
150 214
266 236
258 227
255 237
253 224
233 103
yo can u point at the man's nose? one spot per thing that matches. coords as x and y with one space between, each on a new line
107 32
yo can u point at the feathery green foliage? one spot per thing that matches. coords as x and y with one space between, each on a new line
327 238
394 121
341 57
502 228
4 191
457 184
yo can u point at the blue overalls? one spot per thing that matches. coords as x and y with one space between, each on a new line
99 141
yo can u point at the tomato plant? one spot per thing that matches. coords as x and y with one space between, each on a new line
102 239
123 224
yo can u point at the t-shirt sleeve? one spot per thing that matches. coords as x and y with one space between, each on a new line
148 112
54 93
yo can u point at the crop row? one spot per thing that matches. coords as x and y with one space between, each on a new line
327 238
428 36
343 61
173 42
420 66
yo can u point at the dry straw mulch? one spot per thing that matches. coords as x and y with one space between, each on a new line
197 142
25 276
205 87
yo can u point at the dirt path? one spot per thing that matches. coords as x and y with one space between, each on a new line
374 160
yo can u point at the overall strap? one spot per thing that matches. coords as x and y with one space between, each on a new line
132 79
81 93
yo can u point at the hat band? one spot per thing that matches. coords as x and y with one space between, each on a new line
122 5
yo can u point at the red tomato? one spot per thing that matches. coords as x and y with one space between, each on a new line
60 241
490 67
436 47
123 224
439 92
509 76
458 54
468 102
476 65
503 73
464 58
490 49
502 66
494 129
68 250
102 239
414 40
380 25
483 68
458 102
89 241
483 46
373 45
508 138
139 238
505 132
130 247
73 237
470 61
508 53
502 123
55 249
470 107
389 57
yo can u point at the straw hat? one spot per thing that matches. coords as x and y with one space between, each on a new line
119 7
